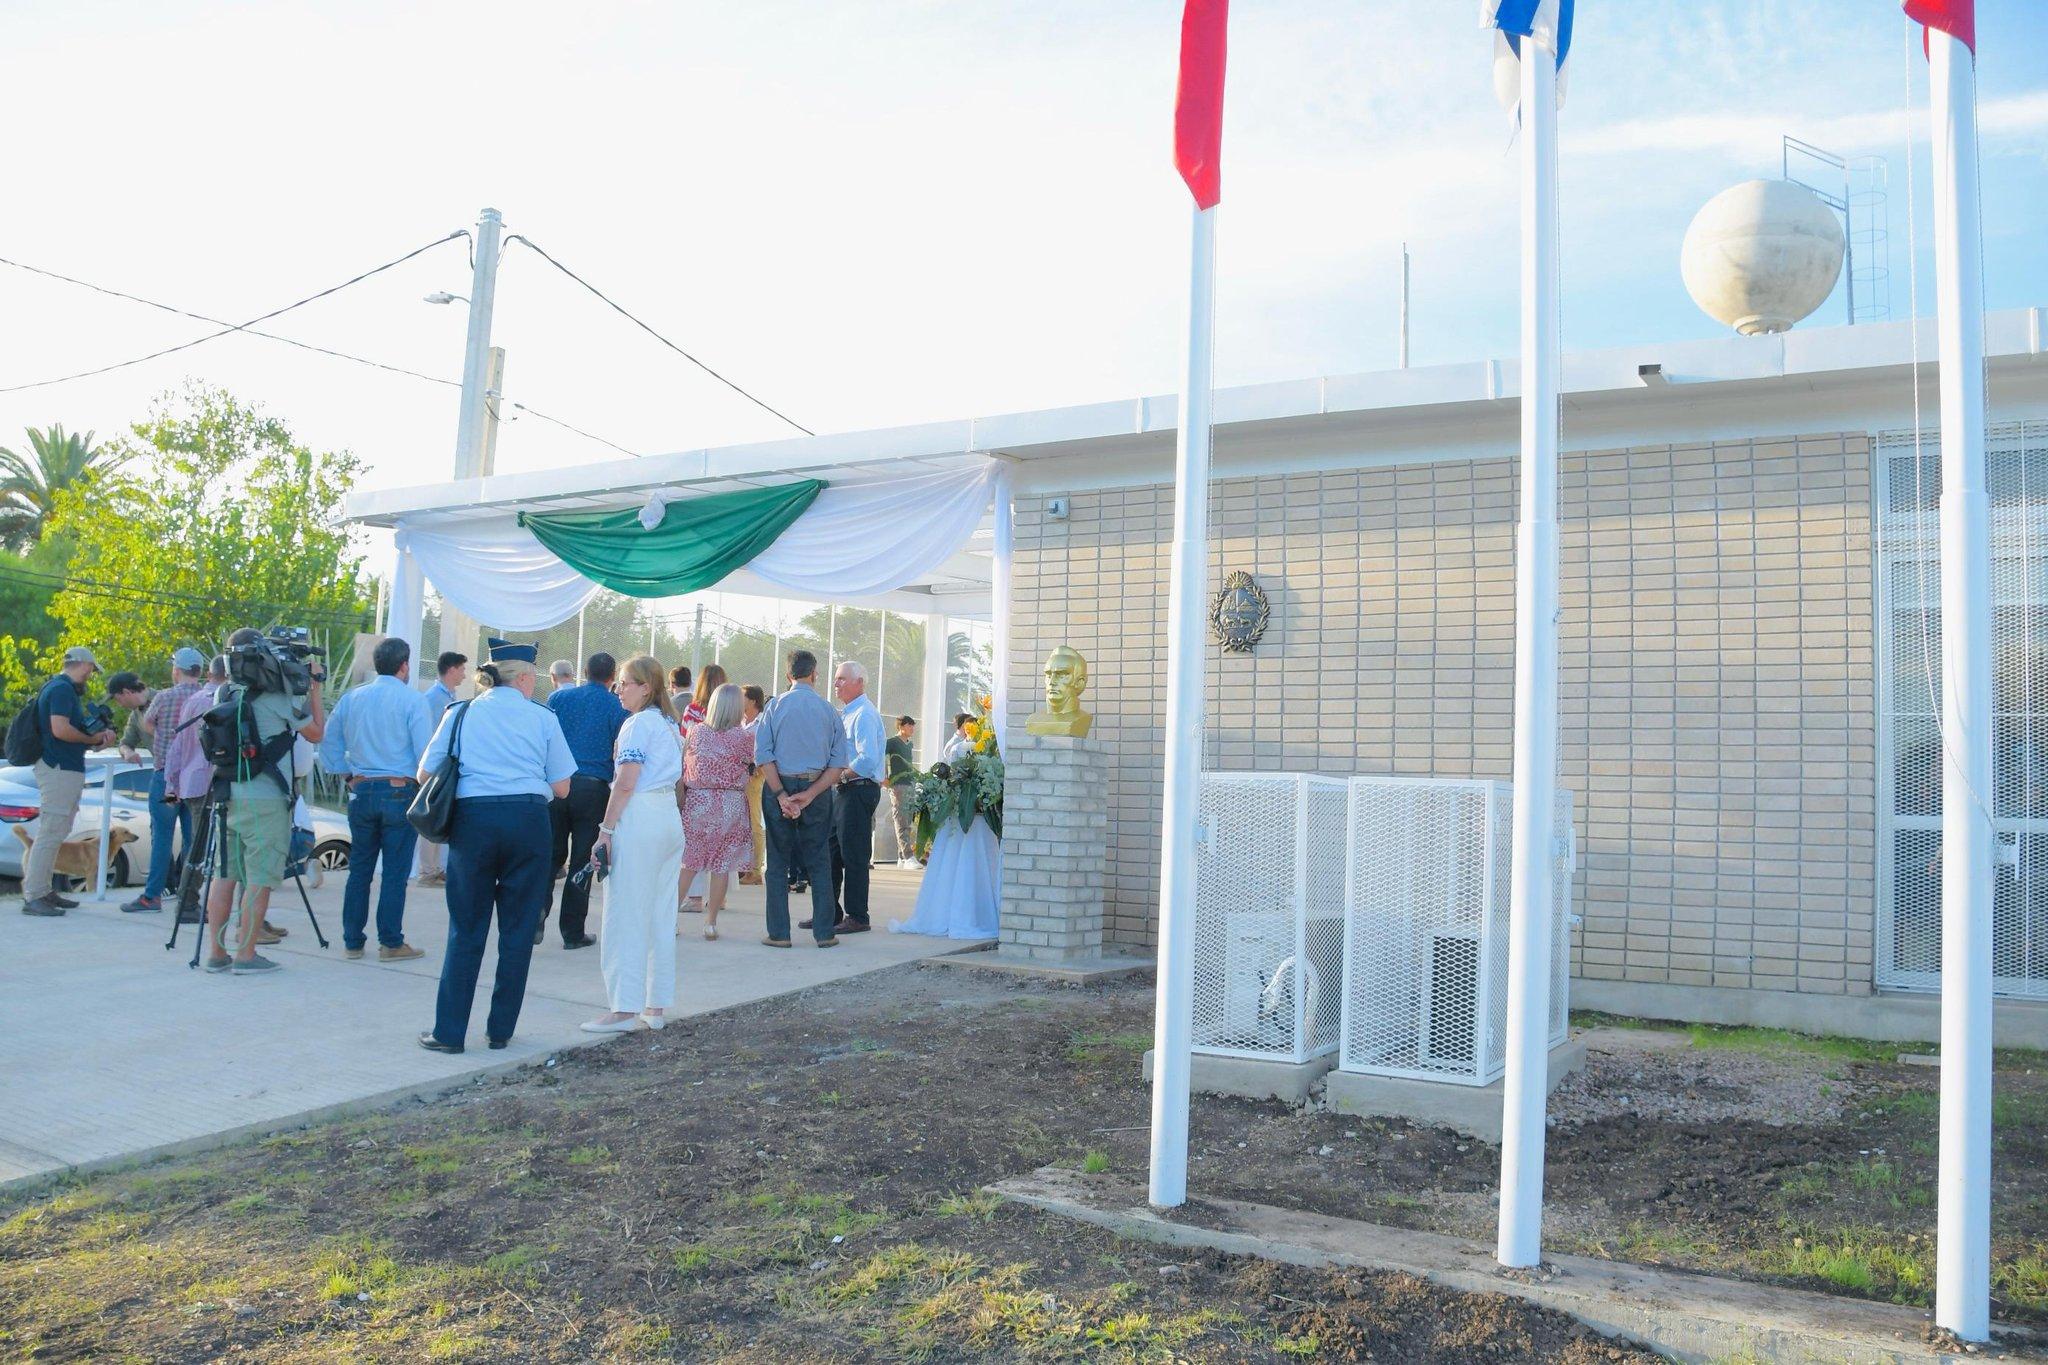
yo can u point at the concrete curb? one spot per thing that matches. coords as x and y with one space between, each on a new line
1693 1318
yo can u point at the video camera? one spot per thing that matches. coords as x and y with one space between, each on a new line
99 716
277 662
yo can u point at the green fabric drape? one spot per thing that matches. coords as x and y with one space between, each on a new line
698 541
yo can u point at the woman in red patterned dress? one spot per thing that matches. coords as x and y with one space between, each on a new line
718 838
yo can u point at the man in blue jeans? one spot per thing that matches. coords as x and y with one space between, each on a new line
188 675
374 739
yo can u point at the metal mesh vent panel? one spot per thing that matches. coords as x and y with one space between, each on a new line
1909 741
1424 911
1268 916
1426 929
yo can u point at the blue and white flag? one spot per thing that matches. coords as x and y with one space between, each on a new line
1549 22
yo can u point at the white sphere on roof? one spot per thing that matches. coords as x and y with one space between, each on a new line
1762 255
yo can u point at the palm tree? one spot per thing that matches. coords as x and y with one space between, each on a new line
29 487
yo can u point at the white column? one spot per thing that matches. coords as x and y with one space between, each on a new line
933 725
1962 1267
1173 1012
882 661
1529 916
408 606
999 606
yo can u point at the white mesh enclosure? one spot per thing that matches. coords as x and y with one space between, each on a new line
1269 905
1426 929
1908 947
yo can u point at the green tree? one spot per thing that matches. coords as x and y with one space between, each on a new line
32 484
235 524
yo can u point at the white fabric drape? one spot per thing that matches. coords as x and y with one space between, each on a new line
497 573
861 538
857 539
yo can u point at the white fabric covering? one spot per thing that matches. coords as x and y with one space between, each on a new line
857 539
961 895
861 538
496 573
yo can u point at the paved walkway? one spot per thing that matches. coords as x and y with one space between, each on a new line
114 1050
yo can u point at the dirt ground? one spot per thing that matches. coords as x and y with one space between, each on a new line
793 1181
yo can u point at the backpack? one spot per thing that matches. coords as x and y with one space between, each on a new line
25 735
227 736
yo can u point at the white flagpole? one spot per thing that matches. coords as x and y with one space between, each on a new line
1173 1022
1525 1086
1962 1267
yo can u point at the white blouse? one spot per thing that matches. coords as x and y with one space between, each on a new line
651 740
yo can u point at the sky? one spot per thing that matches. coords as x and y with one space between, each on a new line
878 212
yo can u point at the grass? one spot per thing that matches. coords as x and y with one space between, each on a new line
1747 1038
1094 1048
938 1304
1094 1163
982 1204
1866 1262
590 1156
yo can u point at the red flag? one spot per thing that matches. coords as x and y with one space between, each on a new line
1198 104
1957 18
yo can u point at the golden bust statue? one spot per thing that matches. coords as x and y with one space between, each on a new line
1066 678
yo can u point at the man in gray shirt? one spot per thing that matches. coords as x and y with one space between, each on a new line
800 749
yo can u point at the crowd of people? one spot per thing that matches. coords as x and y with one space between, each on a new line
655 786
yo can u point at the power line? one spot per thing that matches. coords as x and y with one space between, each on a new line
250 330
92 587
529 242
227 329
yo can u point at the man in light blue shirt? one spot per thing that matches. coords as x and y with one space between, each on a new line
799 750
374 740
860 792
511 759
451 668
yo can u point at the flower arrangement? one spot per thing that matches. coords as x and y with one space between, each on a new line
967 786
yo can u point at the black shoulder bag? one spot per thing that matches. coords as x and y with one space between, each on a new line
432 811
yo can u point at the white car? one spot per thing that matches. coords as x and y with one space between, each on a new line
20 806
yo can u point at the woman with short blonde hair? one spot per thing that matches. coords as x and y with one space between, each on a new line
642 836
716 831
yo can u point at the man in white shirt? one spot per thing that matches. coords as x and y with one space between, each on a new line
860 792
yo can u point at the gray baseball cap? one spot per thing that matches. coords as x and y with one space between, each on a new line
189 659
79 654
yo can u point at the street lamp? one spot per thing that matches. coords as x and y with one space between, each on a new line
443 296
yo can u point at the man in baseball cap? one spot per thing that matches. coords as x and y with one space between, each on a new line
60 777
188 675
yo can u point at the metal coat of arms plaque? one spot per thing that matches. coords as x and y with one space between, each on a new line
1240 613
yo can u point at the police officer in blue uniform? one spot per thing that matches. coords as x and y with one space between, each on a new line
511 758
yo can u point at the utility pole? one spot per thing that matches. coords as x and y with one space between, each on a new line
476 430
697 643
1404 305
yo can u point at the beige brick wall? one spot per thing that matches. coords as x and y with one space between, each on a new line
1717 686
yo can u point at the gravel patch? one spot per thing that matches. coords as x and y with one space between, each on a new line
1655 1075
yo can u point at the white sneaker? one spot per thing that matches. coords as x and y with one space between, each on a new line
632 1023
656 1022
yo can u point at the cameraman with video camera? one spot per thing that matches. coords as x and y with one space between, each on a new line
64 728
272 697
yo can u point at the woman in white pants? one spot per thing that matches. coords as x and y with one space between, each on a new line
643 835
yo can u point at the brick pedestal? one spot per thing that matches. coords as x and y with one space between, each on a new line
1055 846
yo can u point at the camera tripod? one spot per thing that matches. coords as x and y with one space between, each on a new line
195 881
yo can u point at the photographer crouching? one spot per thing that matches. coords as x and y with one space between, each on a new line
272 698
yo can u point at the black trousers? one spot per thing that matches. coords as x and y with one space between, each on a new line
802 845
580 813
853 849
497 869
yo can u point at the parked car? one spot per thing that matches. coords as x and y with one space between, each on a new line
20 807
